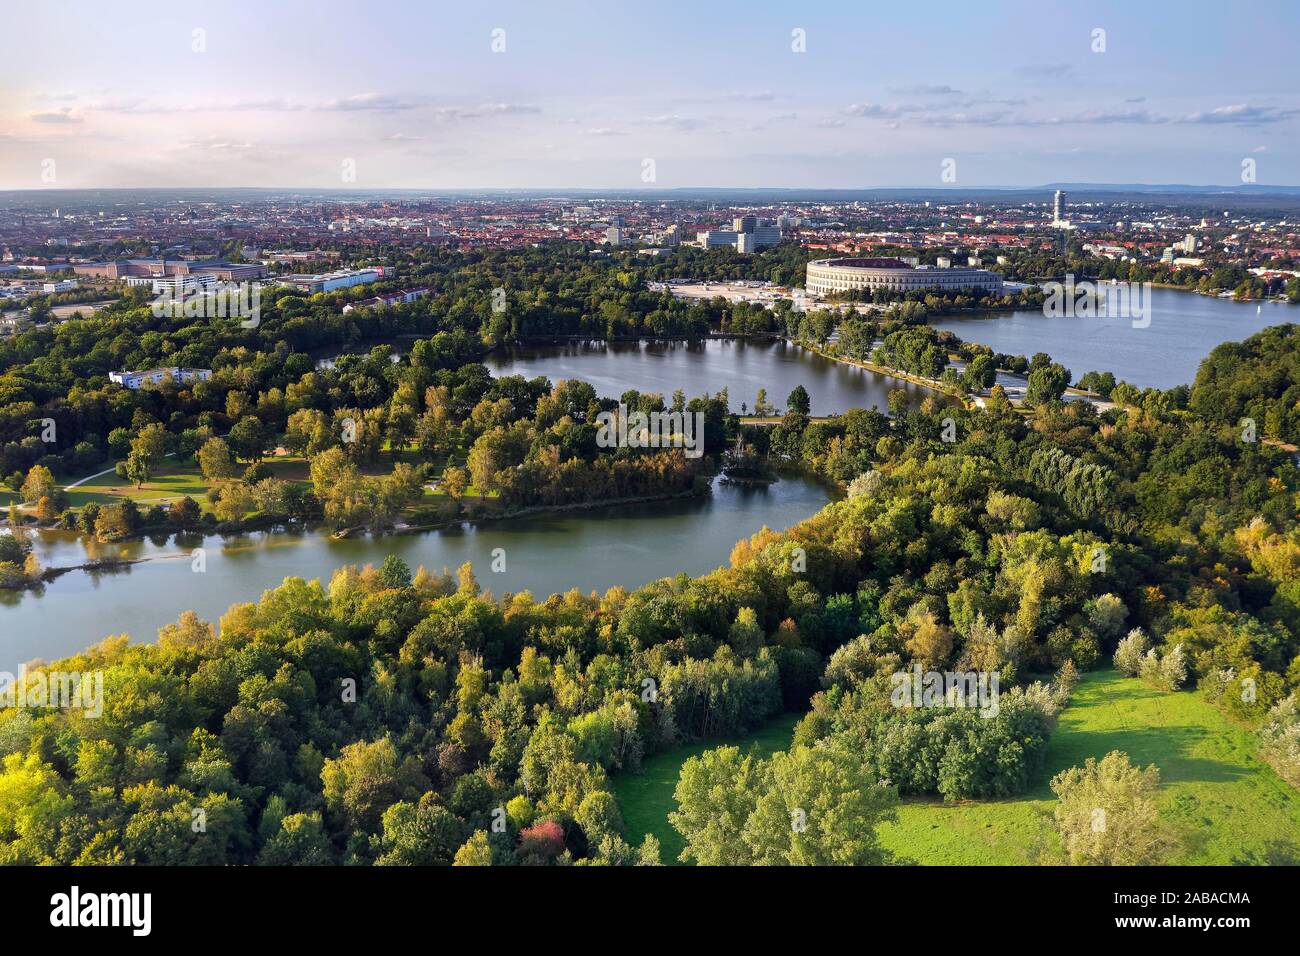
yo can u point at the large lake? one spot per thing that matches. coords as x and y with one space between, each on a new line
1184 329
740 366
548 553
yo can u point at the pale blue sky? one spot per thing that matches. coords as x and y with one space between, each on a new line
283 93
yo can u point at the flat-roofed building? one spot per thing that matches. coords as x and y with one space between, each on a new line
149 268
329 281
182 376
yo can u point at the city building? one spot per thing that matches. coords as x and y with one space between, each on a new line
830 276
614 236
64 285
388 299
180 286
153 268
672 236
182 376
329 281
1058 208
749 235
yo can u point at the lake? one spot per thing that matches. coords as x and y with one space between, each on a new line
1185 328
741 366
597 549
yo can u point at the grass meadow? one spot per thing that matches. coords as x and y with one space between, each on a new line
1227 805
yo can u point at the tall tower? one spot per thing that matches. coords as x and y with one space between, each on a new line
1058 207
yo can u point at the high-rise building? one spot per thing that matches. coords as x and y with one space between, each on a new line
758 235
614 236
672 236
1058 207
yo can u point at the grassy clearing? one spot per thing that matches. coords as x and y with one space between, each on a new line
646 798
1227 804
173 480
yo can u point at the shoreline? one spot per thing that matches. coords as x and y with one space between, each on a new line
111 564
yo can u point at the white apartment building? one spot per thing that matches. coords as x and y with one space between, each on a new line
182 376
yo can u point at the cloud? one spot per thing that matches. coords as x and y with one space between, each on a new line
147 107
1046 70
987 118
62 115
872 110
601 131
921 116
1241 113
922 89
755 96
674 121
452 114
370 101
1105 117
213 142
357 103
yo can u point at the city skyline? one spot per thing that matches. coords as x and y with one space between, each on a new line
577 96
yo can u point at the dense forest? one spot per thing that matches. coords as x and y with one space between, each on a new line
394 717
406 716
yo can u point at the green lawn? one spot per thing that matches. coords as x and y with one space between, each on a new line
646 798
172 481
1228 806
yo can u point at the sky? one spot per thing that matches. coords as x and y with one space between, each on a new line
553 94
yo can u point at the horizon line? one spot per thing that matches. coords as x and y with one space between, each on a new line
1087 184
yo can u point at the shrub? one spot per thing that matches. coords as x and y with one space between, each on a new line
1108 813
866 485
1106 616
1167 672
1279 739
542 841
1067 678
1129 654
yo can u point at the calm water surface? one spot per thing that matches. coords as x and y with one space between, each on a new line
742 367
627 545
1184 328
